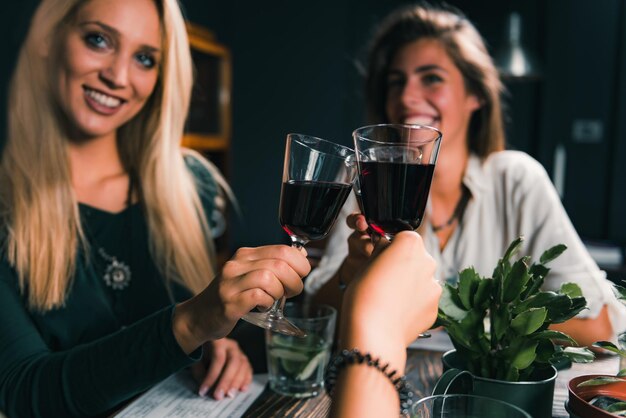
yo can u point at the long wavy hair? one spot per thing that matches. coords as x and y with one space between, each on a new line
40 210
464 46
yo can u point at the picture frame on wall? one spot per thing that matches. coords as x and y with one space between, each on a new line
208 126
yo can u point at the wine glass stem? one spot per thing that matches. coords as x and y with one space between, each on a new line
276 311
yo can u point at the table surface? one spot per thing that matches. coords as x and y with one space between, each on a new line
423 369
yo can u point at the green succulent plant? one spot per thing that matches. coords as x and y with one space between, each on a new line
499 324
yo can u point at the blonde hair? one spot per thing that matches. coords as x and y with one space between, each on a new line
464 46
40 208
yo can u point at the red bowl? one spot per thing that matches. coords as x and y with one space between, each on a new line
579 397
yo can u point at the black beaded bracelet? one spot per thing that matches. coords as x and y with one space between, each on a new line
354 356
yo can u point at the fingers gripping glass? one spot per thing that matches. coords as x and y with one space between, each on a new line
396 164
317 179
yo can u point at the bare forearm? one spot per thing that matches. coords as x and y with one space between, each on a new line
185 333
586 331
357 383
363 391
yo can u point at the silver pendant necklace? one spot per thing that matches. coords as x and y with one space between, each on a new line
117 274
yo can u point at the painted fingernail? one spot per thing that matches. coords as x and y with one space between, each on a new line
231 393
219 394
203 390
244 388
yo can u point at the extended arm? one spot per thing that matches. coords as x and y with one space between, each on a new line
385 309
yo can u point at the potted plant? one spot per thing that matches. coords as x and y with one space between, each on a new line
499 327
600 395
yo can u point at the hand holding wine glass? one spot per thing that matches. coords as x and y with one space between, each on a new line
396 165
317 179
252 277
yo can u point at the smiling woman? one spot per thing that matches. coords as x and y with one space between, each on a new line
429 65
108 65
107 261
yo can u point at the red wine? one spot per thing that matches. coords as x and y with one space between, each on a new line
394 195
308 209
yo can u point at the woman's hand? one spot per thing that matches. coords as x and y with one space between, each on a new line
360 248
393 300
224 367
253 277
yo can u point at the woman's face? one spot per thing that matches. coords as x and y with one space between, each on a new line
424 87
108 65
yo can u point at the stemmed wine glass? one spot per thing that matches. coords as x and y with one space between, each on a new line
317 179
396 165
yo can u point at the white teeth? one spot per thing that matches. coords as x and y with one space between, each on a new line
103 99
420 120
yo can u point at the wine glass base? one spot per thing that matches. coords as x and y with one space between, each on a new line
274 323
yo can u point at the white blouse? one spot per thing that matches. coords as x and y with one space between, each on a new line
511 195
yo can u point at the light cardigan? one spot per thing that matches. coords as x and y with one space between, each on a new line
511 195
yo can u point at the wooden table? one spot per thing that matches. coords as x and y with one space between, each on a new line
423 370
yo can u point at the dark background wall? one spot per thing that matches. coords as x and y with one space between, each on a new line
296 68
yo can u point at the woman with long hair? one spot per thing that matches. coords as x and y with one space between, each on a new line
429 66
107 273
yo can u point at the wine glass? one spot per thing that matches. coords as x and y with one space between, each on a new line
396 165
317 179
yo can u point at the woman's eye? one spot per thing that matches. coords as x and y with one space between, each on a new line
146 60
96 40
429 79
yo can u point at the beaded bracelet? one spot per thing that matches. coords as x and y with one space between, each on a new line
354 356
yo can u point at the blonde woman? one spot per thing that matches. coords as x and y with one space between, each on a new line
430 66
105 220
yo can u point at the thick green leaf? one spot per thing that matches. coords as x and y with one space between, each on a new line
538 300
504 266
597 381
525 355
609 346
472 329
561 362
473 322
498 278
481 297
500 320
579 354
622 373
529 321
537 272
545 351
552 253
514 247
559 307
571 289
448 305
578 304
468 283
515 281
459 337
617 407
553 335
